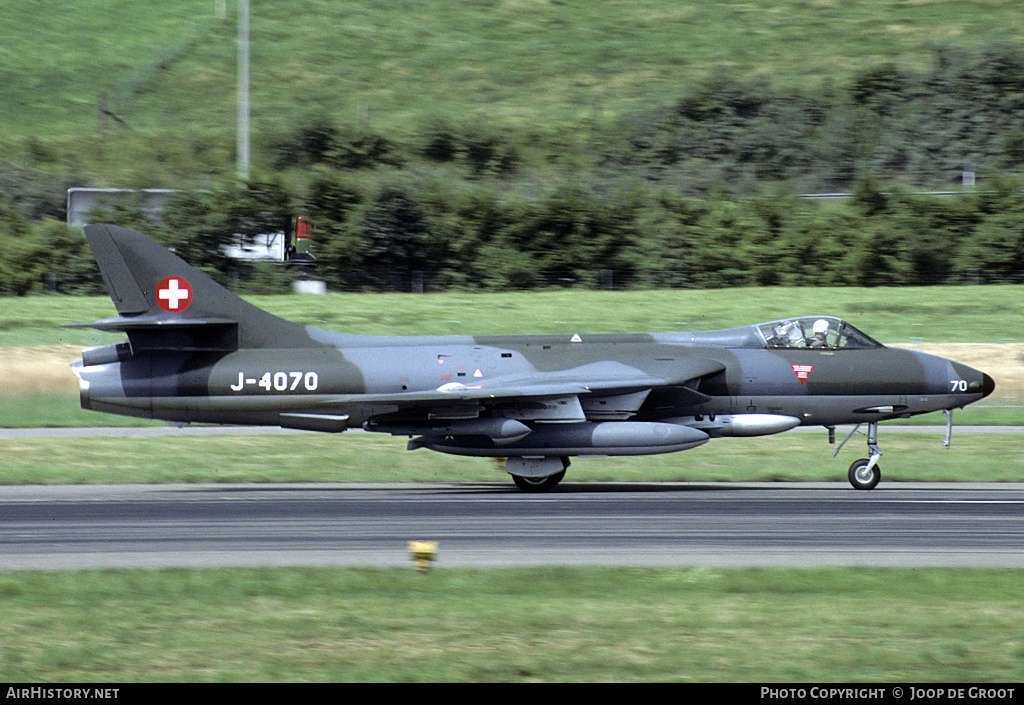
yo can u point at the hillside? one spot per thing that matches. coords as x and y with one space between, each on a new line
552 73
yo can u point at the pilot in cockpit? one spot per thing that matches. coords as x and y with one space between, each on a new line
819 334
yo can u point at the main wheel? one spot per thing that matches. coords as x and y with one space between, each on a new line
538 484
861 478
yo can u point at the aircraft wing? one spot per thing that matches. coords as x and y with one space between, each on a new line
599 377
603 390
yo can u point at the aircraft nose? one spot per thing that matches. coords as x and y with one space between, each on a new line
987 385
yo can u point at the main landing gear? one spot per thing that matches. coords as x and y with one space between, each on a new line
864 474
538 484
537 474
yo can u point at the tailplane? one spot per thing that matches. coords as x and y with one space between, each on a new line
166 304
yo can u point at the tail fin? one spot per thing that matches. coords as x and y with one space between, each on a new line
164 303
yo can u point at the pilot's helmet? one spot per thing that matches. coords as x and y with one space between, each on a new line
820 326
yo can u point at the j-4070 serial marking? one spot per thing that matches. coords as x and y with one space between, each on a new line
279 381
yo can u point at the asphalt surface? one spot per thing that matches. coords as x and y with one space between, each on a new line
728 524
493 524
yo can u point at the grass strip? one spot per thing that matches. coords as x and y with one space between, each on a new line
378 458
539 624
948 314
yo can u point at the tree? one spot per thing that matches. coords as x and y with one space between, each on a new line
996 252
22 255
395 241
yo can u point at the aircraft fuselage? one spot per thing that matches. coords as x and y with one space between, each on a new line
196 352
818 387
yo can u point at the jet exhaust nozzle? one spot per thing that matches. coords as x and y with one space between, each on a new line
105 354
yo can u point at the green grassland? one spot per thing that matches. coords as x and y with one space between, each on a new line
524 625
363 457
550 71
964 314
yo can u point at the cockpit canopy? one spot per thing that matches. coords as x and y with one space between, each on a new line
822 332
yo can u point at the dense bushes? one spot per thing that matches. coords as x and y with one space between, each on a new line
924 128
44 256
649 237
405 236
734 135
683 194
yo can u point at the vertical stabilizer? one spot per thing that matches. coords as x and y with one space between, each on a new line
154 289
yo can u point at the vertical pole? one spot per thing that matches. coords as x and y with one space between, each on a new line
243 90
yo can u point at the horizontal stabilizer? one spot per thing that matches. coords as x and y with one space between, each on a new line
160 333
143 322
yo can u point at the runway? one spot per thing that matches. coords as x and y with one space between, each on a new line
493 524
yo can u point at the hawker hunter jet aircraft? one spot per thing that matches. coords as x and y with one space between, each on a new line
195 352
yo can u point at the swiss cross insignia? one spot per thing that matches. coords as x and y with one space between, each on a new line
173 294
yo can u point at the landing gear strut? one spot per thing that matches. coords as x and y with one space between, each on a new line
865 473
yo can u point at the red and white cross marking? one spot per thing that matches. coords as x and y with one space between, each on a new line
173 294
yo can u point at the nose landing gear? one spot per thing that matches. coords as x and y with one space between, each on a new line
864 474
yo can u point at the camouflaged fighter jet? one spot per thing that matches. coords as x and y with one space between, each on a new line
198 353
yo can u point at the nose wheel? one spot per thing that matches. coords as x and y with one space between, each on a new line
864 474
